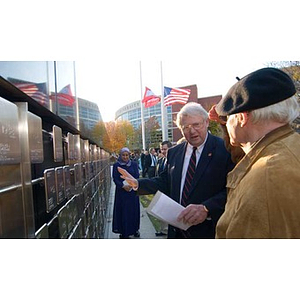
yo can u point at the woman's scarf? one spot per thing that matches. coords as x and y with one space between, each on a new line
121 161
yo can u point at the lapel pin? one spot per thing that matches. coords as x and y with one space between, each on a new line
209 154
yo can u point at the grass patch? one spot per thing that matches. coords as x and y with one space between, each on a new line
146 200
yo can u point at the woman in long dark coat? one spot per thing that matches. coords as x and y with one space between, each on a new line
126 215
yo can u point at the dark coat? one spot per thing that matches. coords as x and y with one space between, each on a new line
143 160
126 213
160 166
148 162
208 186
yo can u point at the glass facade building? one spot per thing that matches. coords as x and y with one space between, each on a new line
132 113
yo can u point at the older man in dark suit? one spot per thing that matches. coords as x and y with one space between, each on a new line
151 162
204 192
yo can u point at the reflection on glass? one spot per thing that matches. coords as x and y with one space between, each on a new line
40 79
52 85
31 77
65 97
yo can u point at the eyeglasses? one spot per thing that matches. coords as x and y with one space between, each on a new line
195 126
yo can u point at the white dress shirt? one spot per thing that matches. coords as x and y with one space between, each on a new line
153 160
187 157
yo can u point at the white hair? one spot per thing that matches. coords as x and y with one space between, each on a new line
191 109
285 111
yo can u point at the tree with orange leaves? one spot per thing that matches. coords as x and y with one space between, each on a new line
113 136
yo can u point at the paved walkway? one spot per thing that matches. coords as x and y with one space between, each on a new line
147 229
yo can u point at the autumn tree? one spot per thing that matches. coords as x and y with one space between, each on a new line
215 128
153 134
113 136
293 69
98 132
127 130
137 140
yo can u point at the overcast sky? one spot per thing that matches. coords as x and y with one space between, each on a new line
114 84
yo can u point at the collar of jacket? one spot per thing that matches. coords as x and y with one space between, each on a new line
243 166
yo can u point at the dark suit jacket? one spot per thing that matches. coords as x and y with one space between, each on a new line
160 166
208 186
148 160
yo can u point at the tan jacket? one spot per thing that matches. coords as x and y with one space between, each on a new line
264 190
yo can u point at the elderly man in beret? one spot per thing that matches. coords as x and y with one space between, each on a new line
264 187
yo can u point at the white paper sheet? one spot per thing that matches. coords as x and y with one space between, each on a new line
166 209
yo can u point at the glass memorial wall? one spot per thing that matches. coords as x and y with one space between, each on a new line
54 183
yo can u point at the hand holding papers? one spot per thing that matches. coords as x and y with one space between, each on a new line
167 210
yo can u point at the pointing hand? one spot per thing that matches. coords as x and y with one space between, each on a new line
129 178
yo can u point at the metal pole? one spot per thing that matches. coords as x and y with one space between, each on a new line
142 110
76 99
164 126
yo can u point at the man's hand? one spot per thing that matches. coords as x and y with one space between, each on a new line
129 178
127 188
193 214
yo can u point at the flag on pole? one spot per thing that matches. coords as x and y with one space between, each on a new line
150 99
65 96
175 95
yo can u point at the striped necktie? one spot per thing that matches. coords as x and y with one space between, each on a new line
189 178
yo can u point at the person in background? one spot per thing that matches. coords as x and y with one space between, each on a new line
151 162
126 212
159 155
263 188
143 159
161 163
205 199
134 157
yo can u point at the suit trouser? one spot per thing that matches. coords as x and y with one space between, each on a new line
151 172
144 172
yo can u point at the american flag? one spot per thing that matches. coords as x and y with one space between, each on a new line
65 96
175 95
37 91
150 99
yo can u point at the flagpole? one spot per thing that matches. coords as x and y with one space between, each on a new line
164 127
142 110
76 99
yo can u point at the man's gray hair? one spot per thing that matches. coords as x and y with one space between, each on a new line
191 109
285 112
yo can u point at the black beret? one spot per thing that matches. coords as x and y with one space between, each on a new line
258 89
